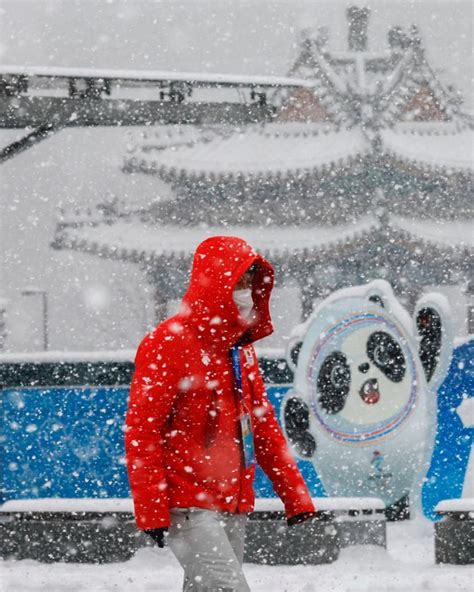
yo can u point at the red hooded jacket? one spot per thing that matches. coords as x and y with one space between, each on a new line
183 440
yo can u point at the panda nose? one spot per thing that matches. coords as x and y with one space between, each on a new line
364 368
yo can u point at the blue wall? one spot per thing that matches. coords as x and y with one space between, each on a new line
453 444
68 441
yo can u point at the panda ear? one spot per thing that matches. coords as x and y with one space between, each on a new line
293 350
435 331
296 422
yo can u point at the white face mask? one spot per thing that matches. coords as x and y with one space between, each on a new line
244 302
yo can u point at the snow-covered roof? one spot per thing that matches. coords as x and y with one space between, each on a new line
135 241
167 136
154 76
436 150
259 151
155 241
389 87
283 149
451 233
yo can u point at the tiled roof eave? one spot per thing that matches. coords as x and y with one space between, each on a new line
172 174
426 166
337 247
439 247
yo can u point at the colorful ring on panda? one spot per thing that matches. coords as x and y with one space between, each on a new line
387 428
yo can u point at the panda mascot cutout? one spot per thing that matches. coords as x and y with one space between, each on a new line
363 404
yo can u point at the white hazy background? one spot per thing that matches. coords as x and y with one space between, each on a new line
98 304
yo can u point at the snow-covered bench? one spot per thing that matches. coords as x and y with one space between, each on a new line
78 530
100 530
454 534
339 522
359 520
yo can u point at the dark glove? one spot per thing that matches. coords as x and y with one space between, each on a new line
158 535
300 518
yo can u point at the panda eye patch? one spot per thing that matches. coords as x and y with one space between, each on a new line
385 353
334 382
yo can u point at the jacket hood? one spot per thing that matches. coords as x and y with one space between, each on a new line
219 262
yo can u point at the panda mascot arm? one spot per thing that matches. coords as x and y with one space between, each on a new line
432 319
295 413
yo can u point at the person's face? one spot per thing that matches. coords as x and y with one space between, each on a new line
245 281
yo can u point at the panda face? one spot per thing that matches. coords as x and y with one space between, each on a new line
365 379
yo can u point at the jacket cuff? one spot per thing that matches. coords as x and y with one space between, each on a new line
295 507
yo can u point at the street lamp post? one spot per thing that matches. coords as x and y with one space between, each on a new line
44 297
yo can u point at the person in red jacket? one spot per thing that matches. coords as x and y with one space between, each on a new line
199 419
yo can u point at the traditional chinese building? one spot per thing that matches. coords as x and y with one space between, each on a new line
366 174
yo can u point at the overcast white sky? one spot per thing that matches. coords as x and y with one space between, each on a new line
248 37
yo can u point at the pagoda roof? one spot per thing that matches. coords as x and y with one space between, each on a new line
438 147
125 237
450 233
135 241
353 103
292 148
279 148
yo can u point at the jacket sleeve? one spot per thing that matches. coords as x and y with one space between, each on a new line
151 398
273 455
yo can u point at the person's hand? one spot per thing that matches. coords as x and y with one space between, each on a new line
300 518
158 535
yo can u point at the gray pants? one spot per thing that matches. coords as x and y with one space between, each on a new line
210 547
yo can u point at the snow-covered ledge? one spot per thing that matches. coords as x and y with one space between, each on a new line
450 506
106 505
326 504
66 357
66 505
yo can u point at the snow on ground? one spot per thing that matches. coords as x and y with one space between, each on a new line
407 566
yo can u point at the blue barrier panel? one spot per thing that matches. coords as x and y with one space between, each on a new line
64 442
263 487
67 441
453 446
